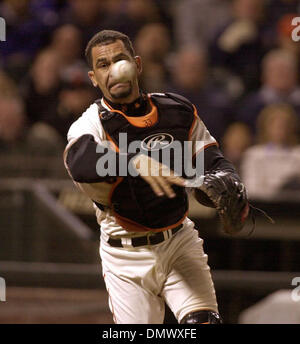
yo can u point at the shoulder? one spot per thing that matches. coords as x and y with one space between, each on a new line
90 115
87 123
169 98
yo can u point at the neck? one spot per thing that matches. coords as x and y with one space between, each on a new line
138 107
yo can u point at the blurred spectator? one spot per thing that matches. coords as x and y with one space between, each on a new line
74 98
197 20
67 43
238 46
12 115
272 167
153 45
235 141
142 10
26 32
89 16
190 78
129 16
167 10
53 101
279 84
40 89
12 120
8 88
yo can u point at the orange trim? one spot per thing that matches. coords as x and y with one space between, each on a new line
194 122
211 144
110 108
132 226
112 142
141 121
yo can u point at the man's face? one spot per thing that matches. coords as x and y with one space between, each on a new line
103 57
280 75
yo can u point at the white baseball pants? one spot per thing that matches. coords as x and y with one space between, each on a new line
139 279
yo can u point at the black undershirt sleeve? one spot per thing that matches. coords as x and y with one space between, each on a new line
82 159
214 159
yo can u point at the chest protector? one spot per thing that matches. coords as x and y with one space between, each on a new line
133 202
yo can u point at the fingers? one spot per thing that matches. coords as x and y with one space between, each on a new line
165 186
172 179
160 186
158 176
154 186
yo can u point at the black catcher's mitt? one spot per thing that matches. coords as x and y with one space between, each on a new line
228 195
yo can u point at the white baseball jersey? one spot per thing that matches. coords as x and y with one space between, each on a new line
89 123
140 279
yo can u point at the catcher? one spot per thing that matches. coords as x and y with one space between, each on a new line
150 251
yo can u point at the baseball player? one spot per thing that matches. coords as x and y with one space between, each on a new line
150 251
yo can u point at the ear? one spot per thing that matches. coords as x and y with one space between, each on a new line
91 75
138 62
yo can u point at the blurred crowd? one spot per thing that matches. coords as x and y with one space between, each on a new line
234 59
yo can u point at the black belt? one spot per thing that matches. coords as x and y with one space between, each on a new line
153 239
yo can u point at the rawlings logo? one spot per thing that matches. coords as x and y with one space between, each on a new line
156 142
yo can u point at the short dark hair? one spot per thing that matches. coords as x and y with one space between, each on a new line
106 37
